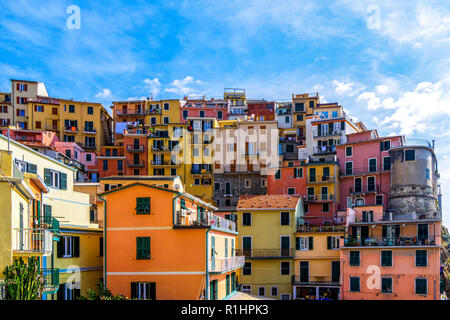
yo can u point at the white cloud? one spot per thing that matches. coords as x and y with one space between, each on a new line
153 86
104 94
343 87
184 86
373 102
382 89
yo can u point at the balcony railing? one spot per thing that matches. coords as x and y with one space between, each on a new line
164 163
324 149
89 130
361 171
88 145
129 112
365 189
319 197
160 149
51 279
266 253
226 264
51 127
186 217
321 179
300 280
47 222
333 228
326 133
33 241
71 128
135 148
391 241
136 164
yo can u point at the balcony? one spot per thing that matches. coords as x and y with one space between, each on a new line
136 164
323 134
319 197
135 148
33 241
130 112
51 280
88 145
221 265
162 163
153 111
157 149
390 242
190 218
70 129
324 150
333 228
365 189
267 253
90 130
361 171
51 127
47 222
321 179
298 280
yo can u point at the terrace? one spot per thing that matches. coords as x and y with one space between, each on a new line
189 218
220 265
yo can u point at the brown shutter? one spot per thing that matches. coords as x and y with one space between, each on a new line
26 87
18 86
17 100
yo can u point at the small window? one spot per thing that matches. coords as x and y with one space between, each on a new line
410 155
90 110
274 291
354 258
379 200
166 106
142 248
291 191
143 205
348 151
285 268
285 218
421 286
166 120
216 186
386 285
71 108
247 270
278 175
387 163
325 207
246 219
421 258
261 291
386 258
248 183
354 284
349 168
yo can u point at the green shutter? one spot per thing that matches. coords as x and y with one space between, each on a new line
143 205
47 214
76 246
63 181
32 168
329 244
60 250
311 243
143 248
38 211
47 176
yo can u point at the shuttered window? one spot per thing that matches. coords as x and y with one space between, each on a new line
386 258
143 248
143 290
421 286
354 284
143 205
354 258
421 258
55 179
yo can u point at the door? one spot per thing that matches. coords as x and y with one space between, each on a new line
247 246
310 193
324 195
227 188
304 271
422 232
335 271
285 246
312 174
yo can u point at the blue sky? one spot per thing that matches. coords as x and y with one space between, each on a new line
392 73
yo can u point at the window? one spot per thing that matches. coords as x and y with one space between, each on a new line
219 114
421 285
105 165
143 205
285 218
385 145
90 110
304 243
358 185
354 258
410 155
71 108
386 285
261 291
196 152
372 165
152 120
143 290
202 113
348 151
285 268
68 153
55 111
143 248
248 183
386 258
38 125
263 182
55 179
349 167
247 270
379 200
246 219
325 207
285 296
278 175
166 106
166 120
332 243
421 258
387 163
342 125
274 291
299 117
370 184
68 247
300 106
185 114
246 288
298 173
66 292
354 284
291 190
119 165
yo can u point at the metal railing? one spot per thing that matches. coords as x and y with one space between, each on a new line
324 149
71 128
51 279
326 133
319 197
226 264
89 130
126 112
164 163
333 228
361 170
266 253
33 240
186 217
319 179
365 189
389 241
135 148
136 164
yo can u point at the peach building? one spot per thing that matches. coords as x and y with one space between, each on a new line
289 178
163 244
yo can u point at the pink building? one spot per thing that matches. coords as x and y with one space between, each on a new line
365 165
385 258
203 108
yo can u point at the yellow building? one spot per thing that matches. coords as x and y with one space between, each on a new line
266 226
303 105
316 262
50 220
5 109
238 103
86 123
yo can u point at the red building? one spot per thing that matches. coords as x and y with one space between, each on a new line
261 109
111 161
203 108
289 179
136 154
364 162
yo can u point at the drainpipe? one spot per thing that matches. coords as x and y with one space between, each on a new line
104 241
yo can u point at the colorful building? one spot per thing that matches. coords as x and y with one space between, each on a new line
289 179
5 109
262 110
266 226
203 108
162 244
237 109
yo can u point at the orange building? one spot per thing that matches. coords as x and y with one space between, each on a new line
164 244
290 179
111 161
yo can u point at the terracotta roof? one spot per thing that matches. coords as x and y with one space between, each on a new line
273 201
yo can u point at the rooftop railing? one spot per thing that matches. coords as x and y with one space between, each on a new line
186 217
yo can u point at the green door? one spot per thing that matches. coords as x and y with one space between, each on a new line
247 246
